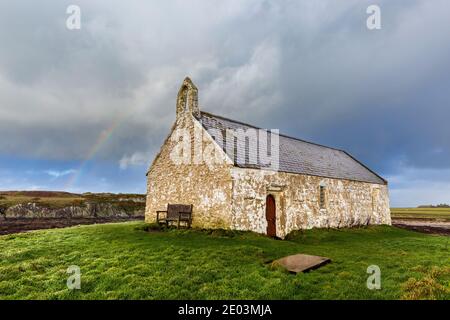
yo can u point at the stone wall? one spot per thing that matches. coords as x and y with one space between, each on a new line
348 203
88 210
207 187
224 196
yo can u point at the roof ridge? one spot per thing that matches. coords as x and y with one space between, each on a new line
280 134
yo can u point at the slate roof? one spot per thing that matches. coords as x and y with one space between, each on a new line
299 156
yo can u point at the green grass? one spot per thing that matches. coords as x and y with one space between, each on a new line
421 213
123 261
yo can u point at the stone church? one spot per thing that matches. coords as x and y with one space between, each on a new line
238 176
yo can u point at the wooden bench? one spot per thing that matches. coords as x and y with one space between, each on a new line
175 213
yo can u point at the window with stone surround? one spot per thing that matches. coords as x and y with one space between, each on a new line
322 201
322 195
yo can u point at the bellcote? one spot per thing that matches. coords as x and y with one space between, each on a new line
187 99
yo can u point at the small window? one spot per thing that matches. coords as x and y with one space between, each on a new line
322 197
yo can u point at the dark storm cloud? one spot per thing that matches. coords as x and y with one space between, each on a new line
379 94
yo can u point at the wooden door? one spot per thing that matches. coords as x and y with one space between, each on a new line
271 216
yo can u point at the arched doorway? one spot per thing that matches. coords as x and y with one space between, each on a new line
271 216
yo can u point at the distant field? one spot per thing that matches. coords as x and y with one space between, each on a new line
421 213
31 210
56 199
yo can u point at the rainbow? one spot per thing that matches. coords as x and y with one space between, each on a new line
103 137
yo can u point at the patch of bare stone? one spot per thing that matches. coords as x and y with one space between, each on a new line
301 262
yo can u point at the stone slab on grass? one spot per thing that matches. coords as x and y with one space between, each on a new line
301 262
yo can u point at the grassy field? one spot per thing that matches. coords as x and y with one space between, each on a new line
421 213
124 261
56 199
